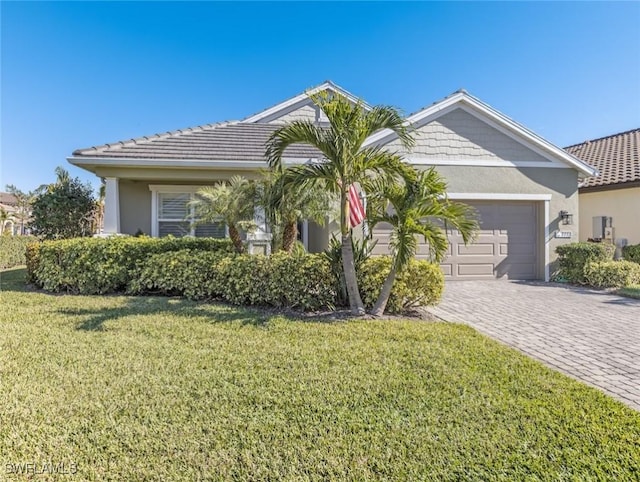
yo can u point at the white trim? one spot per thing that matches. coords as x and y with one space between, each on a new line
492 196
154 213
305 234
179 163
492 117
426 161
303 97
547 240
174 188
111 206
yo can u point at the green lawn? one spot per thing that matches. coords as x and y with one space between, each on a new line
164 389
632 291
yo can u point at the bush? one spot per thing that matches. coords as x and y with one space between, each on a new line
573 257
303 281
189 273
13 250
631 253
421 284
612 274
103 265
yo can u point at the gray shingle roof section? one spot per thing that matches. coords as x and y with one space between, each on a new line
230 141
617 157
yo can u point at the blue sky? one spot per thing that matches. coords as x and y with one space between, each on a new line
81 74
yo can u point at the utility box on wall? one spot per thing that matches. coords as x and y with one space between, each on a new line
602 227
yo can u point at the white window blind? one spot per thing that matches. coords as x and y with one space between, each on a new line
176 218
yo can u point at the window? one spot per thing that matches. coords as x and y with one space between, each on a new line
175 217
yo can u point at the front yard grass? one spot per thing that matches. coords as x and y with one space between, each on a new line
152 388
632 291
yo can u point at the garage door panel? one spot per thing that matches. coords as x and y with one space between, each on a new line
476 270
476 249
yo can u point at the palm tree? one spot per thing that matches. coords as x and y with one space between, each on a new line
417 207
24 200
231 202
286 206
345 161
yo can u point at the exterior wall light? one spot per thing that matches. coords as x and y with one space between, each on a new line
566 217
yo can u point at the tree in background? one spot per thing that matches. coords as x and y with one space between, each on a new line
24 200
63 209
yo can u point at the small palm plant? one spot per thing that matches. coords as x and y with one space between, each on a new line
416 208
232 202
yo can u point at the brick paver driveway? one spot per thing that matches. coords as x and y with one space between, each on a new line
590 335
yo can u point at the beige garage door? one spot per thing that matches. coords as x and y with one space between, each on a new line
506 245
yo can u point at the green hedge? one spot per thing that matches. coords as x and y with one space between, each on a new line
631 253
198 268
13 249
304 282
421 284
103 265
612 274
573 257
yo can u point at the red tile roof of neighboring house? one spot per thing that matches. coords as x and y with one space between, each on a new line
617 157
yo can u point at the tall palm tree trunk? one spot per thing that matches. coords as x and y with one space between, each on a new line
385 292
349 267
289 235
234 234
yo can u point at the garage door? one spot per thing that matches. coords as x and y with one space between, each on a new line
506 245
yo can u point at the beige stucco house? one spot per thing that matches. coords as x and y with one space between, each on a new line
519 182
610 202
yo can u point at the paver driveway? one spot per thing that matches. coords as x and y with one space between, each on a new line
590 335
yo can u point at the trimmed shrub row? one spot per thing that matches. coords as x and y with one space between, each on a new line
102 265
209 269
631 253
612 274
303 282
573 257
13 249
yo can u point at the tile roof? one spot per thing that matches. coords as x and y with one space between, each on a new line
7 199
617 157
227 141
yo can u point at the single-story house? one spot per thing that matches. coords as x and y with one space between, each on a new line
610 203
522 186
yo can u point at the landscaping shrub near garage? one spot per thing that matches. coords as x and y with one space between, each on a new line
421 284
631 253
13 249
573 257
103 265
612 274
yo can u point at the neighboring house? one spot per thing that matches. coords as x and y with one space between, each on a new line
518 182
8 222
611 199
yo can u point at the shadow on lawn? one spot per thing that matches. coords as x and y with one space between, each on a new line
174 307
14 279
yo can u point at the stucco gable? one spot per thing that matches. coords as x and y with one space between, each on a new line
467 130
301 107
